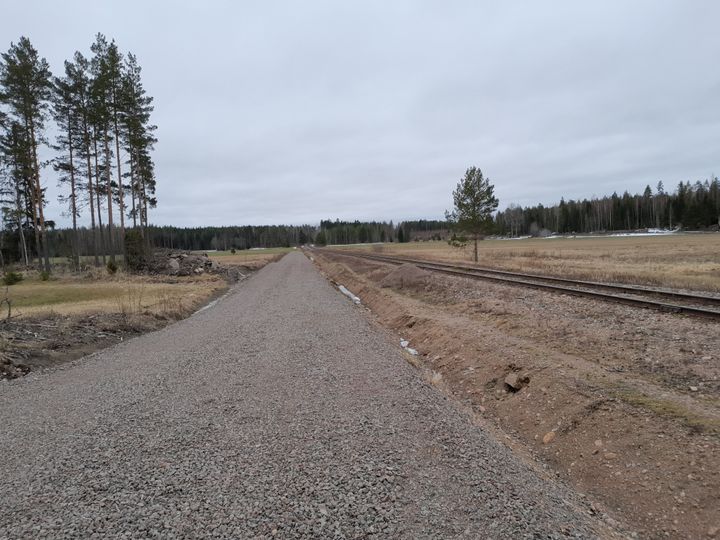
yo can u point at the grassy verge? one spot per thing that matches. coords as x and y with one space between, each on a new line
123 294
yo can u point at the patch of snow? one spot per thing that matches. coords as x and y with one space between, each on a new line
404 344
350 295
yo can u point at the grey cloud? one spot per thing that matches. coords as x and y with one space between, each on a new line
289 112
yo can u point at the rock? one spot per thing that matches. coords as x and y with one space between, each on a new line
694 388
199 270
515 381
610 455
713 532
173 266
598 443
549 437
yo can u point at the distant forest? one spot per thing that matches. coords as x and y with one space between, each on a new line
691 206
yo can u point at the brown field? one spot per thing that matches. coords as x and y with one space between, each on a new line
249 258
684 261
123 294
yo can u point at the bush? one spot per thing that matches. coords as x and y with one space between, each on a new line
11 278
136 250
112 267
232 251
44 275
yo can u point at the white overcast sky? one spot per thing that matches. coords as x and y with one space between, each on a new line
290 112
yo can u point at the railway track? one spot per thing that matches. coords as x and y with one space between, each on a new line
644 297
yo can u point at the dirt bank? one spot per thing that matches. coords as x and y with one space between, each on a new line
622 403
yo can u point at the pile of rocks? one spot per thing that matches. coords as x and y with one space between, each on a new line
184 263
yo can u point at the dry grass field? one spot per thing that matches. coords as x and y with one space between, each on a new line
685 261
121 294
250 258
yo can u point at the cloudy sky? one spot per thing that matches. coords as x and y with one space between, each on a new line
289 112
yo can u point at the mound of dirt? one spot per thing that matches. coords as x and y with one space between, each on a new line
407 276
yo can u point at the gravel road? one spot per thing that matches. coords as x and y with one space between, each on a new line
279 412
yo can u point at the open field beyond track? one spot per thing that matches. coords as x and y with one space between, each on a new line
683 261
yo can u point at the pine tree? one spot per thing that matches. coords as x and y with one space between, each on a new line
115 83
79 75
102 118
139 142
474 203
26 89
16 183
66 112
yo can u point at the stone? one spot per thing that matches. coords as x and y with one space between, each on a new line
173 266
610 455
515 381
549 437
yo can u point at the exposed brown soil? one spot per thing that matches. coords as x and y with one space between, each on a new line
621 402
34 343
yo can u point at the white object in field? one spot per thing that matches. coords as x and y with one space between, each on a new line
350 295
404 344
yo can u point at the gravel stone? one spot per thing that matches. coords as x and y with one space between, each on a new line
279 412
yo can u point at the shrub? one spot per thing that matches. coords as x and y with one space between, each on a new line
232 251
112 267
136 250
44 275
11 278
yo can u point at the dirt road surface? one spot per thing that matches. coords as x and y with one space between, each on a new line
279 412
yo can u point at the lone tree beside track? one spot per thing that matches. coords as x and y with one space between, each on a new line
474 201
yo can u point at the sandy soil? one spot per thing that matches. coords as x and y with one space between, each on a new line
622 403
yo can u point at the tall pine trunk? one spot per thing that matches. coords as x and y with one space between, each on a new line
108 182
73 205
132 191
97 201
91 191
120 183
21 231
39 200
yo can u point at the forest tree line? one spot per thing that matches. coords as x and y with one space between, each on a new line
101 152
692 206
